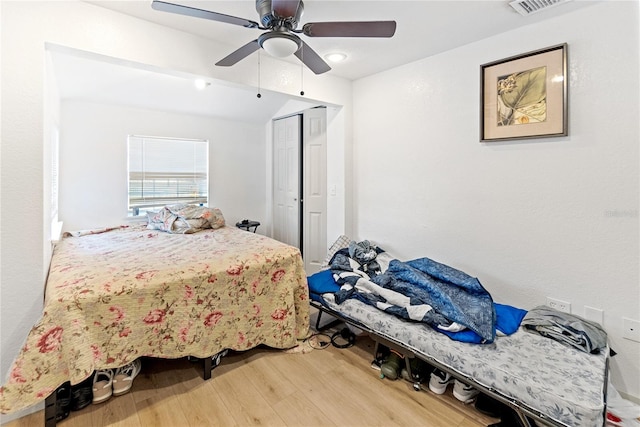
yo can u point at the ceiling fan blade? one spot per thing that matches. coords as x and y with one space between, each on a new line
285 8
239 54
199 13
311 59
350 29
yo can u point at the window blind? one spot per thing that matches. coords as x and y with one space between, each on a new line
166 171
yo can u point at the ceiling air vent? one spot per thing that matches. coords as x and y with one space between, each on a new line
527 7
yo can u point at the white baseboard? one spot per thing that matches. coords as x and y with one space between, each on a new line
629 397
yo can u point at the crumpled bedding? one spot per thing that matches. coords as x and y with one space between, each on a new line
365 253
185 219
420 290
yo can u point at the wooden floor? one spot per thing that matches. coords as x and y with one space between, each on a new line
265 387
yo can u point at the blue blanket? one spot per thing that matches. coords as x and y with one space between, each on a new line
508 320
452 293
422 290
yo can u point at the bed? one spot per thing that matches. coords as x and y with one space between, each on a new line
542 380
119 294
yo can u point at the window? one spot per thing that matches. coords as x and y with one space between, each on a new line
164 171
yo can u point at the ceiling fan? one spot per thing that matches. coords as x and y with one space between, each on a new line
281 18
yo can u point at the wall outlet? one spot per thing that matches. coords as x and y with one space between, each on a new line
631 329
559 304
594 314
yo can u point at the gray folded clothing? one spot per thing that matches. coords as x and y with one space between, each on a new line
566 328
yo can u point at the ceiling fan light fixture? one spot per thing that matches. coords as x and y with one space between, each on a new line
281 18
335 57
279 45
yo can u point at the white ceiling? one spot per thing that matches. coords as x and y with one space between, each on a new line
424 28
94 78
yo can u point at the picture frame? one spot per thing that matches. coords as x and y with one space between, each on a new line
525 96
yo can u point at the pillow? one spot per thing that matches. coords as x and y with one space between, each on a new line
185 219
322 282
342 243
215 217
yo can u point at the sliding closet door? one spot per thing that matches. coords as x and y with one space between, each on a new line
314 217
286 180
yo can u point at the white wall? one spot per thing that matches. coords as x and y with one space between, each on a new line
550 217
25 29
93 161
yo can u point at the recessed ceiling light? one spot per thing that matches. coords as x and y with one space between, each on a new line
335 57
200 84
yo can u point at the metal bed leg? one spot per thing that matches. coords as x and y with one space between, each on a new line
318 320
328 325
210 363
206 374
523 418
50 410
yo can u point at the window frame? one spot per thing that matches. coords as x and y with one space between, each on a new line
195 180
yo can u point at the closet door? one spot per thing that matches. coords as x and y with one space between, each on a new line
314 218
286 180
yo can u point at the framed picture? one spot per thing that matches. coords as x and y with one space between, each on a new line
524 96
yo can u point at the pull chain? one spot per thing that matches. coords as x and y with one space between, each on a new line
302 71
259 95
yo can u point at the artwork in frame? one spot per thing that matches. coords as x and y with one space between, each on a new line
524 96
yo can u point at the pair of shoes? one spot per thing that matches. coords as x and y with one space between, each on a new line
107 382
464 392
124 377
102 385
439 381
81 394
63 401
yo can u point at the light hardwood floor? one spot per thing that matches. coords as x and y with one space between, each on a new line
265 387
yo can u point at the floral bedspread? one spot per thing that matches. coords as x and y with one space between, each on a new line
130 292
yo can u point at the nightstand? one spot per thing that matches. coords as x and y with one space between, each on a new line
246 224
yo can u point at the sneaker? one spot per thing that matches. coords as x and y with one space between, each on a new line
124 376
463 392
439 381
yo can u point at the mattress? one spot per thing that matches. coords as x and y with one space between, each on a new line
544 377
